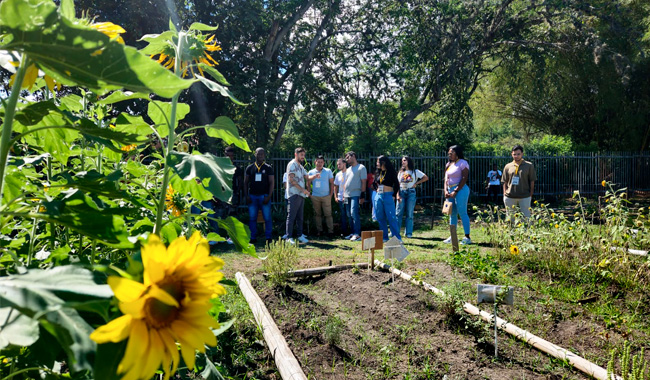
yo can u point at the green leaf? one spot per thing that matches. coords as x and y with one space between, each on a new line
133 124
159 112
210 372
214 73
14 181
16 329
223 326
202 27
239 233
216 87
94 182
111 354
224 128
64 281
74 53
158 42
72 103
212 236
67 9
80 213
120 96
196 190
203 166
169 232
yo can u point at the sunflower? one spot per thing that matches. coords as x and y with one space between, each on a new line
128 148
110 29
514 250
195 51
174 202
604 183
170 306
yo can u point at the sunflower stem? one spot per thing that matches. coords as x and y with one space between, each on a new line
170 140
7 126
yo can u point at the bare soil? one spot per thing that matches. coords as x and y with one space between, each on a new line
397 331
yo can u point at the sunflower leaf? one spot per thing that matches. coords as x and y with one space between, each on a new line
202 27
216 87
225 129
120 96
239 233
77 54
219 171
16 329
214 73
159 112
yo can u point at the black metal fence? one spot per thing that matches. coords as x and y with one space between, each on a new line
557 175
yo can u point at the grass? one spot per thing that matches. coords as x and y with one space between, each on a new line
541 298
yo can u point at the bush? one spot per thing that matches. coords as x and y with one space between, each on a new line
281 258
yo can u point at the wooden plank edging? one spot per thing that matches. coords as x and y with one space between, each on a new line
286 362
320 270
545 346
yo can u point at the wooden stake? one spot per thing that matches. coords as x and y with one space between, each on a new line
287 364
321 270
454 238
576 361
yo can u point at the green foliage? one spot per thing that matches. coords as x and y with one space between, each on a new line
632 367
333 329
281 257
475 264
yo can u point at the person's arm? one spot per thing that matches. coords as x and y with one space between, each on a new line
268 197
462 183
246 180
336 193
331 184
363 191
294 183
532 188
422 180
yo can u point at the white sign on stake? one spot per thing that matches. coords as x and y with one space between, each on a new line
368 243
394 249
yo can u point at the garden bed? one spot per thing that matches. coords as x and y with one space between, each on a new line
359 325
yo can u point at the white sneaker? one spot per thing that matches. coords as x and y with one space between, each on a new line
303 236
348 237
355 238
303 239
466 241
229 241
291 241
447 240
285 236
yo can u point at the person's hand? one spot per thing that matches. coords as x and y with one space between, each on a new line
336 199
248 199
361 200
453 194
306 192
266 199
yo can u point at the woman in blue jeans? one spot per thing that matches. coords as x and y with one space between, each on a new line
409 178
386 186
456 190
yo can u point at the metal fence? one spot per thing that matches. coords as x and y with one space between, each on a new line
557 175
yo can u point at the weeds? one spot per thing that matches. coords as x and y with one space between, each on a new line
333 330
632 368
281 258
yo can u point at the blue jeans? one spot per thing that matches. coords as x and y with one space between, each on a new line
385 212
257 203
460 208
406 205
372 204
354 215
345 217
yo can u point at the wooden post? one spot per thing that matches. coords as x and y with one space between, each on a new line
454 238
287 364
379 244
321 270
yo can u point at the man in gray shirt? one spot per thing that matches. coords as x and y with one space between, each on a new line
354 191
297 192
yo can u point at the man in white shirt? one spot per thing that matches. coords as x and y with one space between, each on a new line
494 184
344 207
297 179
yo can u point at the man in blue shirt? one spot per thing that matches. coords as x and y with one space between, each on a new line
322 188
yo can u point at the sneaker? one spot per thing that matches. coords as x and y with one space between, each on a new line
285 236
409 236
303 236
447 240
355 238
303 239
466 241
229 241
350 236
291 241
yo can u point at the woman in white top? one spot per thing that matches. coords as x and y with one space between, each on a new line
409 179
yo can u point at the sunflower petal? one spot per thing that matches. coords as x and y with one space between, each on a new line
115 331
126 290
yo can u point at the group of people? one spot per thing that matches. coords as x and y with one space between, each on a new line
393 192
517 179
348 189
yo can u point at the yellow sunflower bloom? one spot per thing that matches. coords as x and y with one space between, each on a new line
604 183
170 306
196 50
128 148
514 250
174 202
110 29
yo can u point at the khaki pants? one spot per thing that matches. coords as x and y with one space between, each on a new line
323 205
523 203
